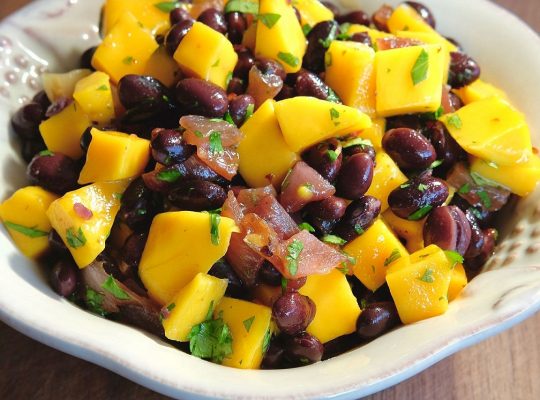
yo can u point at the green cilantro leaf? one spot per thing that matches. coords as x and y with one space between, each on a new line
420 69
454 121
332 96
112 287
332 155
306 227
94 302
30 232
269 19
266 341
75 239
46 153
357 142
464 189
392 257
422 187
405 185
228 79
331 36
454 257
436 164
420 213
427 276
171 306
167 6
358 229
243 6
289 59
228 118
249 111
211 339
216 147
248 322
484 198
128 60
481 181
306 28
103 88
334 114
215 219
293 254
333 239
171 175
475 212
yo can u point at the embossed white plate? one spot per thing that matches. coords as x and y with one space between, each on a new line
51 33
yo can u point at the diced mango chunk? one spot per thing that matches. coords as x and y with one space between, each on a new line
250 328
350 72
521 179
162 67
61 85
279 34
479 90
375 250
458 281
419 284
192 304
24 217
145 11
409 80
125 50
93 94
374 133
113 156
62 132
180 245
336 307
386 177
492 130
84 217
312 12
264 156
207 54
320 120
411 231
250 37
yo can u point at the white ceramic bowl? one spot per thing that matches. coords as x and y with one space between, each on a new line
48 34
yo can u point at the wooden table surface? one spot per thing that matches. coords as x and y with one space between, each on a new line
504 367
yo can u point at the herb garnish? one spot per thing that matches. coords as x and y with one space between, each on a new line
167 6
242 6
420 213
484 198
454 257
248 322
464 189
358 229
103 88
306 227
333 239
215 219
216 147
46 153
332 155
249 111
392 257
454 121
128 60
171 175
422 187
427 276
436 164
30 232
266 341
94 302
75 239
420 68
112 287
306 28
211 339
332 96
269 19
294 249
289 59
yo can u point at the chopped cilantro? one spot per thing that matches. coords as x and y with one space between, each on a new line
167 6
171 306
454 257
94 302
46 153
306 28
266 341
228 79
243 6
358 229
454 121
171 175
420 213
436 164
228 118
128 60
75 239
249 111
117 196
293 254
112 287
248 322
216 147
484 198
405 185
481 181
198 134
103 88
328 59
333 239
216 64
289 59
427 276
363 304
30 232
392 257
357 142
344 269
332 96
330 37
475 212
422 187
419 71
283 284
334 114
306 227
464 189
211 339
215 219
332 155
269 19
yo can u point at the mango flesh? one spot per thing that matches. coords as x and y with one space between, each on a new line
83 233
114 156
206 54
350 72
93 94
145 11
320 120
62 132
264 156
458 281
162 67
375 250
62 85
312 12
125 50
279 34
479 90
25 219
250 326
411 231
179 246
337 308
491 129
396 90
192 304
374 133
386 177
419 284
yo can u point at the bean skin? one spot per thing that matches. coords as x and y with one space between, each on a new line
238 108
176 34
477 236
424 12
236 26
355 176
235 287
417 197
448 228
360 148
214 19
268 66
354 17
322 33
138 90
26 120
309 84
474 265
199 97
463 70
359 216
293 312
139 205
362 37
86 58
178 15
237 86
197 195
55 172
376 319
168 147
64 277
29 148
381 16
447 149
409 148
42 99
326 158
322 226
303 349
246 60
269 274
273 358
411 121
331 208
133 248
293 285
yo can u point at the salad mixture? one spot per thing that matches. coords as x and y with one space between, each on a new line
265 184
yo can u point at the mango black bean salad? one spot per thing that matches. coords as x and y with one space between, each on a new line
266 184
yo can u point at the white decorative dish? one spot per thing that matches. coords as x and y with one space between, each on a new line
49 34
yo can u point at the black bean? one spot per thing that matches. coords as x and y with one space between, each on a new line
26 120
58 106
303 349
376 319
322 226
474 265
235 287
64 277
448 150
411 121
273 358
409 148
424 12
359 216
286 92
355 176
360 148
354 17
477 236
332 7
178 15
139 205
214 19
86 58
168 147
340 345
448 228
239 106
133 248
463 70
381 16
326 158
176 34
331 208
139 91
86 139
236 27
319 39
236 86
199 97
246 60
55 172
361 37
197 195
309 84
293 285
269 66
455 101
416 198
29 148
42 99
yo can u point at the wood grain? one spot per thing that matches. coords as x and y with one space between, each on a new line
504 367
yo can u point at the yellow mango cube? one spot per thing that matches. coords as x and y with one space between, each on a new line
458 281
24 217
350 72
419 284
192 304
145 11
374 133
113 156
207 54
62 85
250 326
312 12
520 179
411 231
320 120
85 233
62 132
162 67
375 250
409 80
492 130
93 94
386 177
250 37
125 50
279 34
479 90
180 244
336 307
264 156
